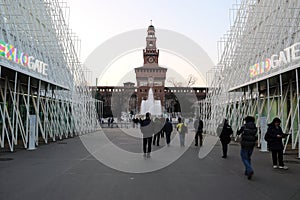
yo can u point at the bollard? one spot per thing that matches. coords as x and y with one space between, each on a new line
32 127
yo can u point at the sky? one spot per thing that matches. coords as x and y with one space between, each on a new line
96 21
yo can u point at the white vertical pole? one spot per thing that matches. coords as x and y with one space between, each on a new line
268 100
27 108
4 113
292 112
297 93
280 112
14 109
38 113
258 114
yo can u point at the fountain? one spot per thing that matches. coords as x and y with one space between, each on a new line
151 105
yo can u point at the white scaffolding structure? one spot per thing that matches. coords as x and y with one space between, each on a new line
59 98
258 71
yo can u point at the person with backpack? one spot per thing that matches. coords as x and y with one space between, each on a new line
248 134
274 138
182 130
147 129
225 132
198 125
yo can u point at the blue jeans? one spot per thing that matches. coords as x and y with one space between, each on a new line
246 158
181 139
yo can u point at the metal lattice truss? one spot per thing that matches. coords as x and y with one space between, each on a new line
55 92
258 70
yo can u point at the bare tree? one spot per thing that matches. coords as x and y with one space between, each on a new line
172 81
190 80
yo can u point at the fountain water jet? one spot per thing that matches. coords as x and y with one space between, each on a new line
151 105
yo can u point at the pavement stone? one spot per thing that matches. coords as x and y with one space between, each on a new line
66 170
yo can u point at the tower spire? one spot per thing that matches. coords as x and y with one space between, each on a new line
151 22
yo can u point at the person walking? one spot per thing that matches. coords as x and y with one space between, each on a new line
147 129
225 136
167 129
274 138
162 122
157 131
108 122
198 125
182 130
248 134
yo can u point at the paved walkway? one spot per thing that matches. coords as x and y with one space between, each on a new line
66 170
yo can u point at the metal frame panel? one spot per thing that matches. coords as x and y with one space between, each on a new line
61 99
259 30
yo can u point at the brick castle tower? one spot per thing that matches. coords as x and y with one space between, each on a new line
150 75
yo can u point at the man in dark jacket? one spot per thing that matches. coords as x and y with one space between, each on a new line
157 131
147 129
248 138
198 125
225 131
274 138
167 129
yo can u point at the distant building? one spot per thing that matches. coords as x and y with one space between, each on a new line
118 98
128 98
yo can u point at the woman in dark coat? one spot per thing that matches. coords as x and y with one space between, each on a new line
167 129
225 136
274 138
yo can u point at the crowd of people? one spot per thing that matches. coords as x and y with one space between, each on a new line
159 128
248 138
154 130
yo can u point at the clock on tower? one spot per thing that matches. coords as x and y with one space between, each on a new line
150 59
151 53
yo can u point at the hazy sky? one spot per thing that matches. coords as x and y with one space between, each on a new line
204 21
